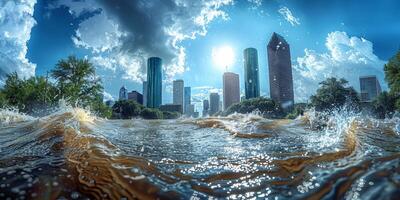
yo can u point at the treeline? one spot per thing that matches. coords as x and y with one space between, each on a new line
127 109
72 79
333 94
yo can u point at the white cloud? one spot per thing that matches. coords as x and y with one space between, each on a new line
107 97
16 22
122 34
98 33
287 14
347 57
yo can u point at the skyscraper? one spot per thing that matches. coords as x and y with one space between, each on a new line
135 96
280 72
206 107
214 103
231 89
145 93
251 77
187 100
177 92
123 93
369 88
154 88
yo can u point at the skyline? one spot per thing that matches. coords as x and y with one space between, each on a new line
351 45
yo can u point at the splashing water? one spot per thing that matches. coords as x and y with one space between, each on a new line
73 155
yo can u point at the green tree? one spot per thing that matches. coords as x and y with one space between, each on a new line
392 76
149 113
77 81
384 105
127 109
268 107
334 93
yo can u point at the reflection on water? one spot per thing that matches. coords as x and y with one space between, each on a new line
72 155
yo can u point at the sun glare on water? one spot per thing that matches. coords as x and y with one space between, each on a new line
223 57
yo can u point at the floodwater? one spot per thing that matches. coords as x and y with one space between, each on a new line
73 155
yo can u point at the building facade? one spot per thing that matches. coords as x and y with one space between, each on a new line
187 98
123 93
280 72
154 82
251 73
214 103
231 89
206 107
135 96
369 88
144 93
177 92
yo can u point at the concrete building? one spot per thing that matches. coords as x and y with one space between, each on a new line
177 92
369 88
206 107
135 96
231 89
154 81
145 93
190 111
123 93
251 74
171 108
214 103
187 98
280 72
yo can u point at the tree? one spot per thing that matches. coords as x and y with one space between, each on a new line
384 105
268 107
334 93
149 113
29 95
77 81
392 76
127 109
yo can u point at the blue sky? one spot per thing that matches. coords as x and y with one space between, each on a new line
327 38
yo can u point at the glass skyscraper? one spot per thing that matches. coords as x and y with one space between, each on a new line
154 82
280 72
369 88
187 99
251 77
177 93
231 89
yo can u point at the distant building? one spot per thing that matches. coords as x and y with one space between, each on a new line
171 108
154 81
145 93
251 74
123 93
177 92
214 103
369 88
206 107
280 72
187 98
231 89
190 110
135 96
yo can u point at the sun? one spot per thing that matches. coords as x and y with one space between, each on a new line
223 56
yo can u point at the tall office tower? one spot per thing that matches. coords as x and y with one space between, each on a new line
187 99
231 89
145 93
369 88
280 72
251 77
214 103
177 92
206 107
154 88
135 96
123 93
